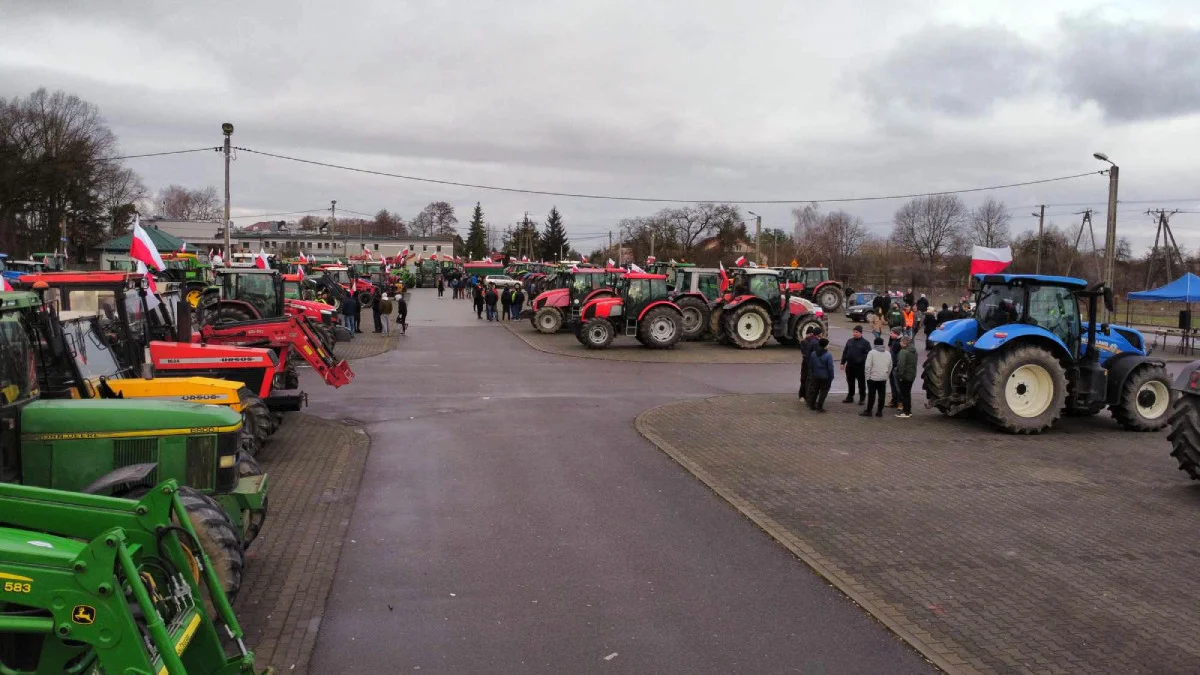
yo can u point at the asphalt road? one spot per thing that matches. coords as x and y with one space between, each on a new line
512 520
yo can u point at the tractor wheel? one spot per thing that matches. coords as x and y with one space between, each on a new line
548 320
660 328
716 326
829 298
217 537
1185 434
364 298
803 326
1022 390
945 373
598 333
577 329
1145 400
231 314
257 423
749 326
695 318
248 466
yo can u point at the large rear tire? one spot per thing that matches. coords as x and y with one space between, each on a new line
1022 390
749 326
694 319
660 328
548 320
256 419
829 297
252 521
716 326
1185 434
1145 399
598 333
803 326
231 314
217 537
945 373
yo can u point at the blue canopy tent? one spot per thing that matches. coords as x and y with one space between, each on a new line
1184 289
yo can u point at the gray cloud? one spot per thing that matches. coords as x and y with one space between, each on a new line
1133 71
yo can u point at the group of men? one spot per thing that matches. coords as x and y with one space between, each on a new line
381 311
869 369
510 300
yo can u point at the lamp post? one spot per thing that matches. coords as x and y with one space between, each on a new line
1110 239
227 130
757 236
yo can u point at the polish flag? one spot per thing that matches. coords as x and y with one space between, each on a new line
724 277
433 257
367 252
300 271
990 260
635 268
740 261
650 260
183 248
302 258
152 300
142 248
4 285
612 263
261 261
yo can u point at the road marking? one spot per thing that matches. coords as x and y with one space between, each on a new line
611 656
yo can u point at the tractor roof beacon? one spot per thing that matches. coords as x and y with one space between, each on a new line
642 311
1027 356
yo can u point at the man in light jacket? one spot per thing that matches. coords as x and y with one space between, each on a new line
878 368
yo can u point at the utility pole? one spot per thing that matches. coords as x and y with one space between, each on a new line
757 236
651 244
227 129
332 220
1110 239
610 242
1041 214
1170 248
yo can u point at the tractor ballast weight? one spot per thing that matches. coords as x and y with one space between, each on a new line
641 311
95 584
1026 357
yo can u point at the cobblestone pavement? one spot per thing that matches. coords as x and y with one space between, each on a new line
1073 551
314 467
628 349
367 344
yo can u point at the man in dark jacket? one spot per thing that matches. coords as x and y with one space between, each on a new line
922 303
489 299
880 302
930 324
506 296
820 371
946 314
906 374
477 296
893 382
376 313
854 363
518 302
908 297
811 336
402 313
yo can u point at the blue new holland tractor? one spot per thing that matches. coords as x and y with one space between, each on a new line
1027 357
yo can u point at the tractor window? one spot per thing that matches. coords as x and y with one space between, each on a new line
816 276
999 305
581 284
133 310
1055 309
709 285
259 291
765 286
18 365
638 293
658 289
102 303
91 354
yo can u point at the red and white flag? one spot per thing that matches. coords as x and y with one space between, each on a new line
635 268
433 257
300 272
740 261
303 259
4 285
367 252
990 260
650 260
142 248
261 261
612 263
152 300
183 248
724 276
217 258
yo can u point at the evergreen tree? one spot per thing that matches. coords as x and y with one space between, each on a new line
476 248
554 239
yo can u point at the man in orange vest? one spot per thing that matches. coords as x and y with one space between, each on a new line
909 319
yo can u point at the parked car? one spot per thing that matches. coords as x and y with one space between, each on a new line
861 309
501 281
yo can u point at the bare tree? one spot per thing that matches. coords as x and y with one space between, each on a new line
926 227
436 219
988 224
833 239
120 189
176 202
689 224
804 218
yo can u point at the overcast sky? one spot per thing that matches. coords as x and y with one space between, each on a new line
704 100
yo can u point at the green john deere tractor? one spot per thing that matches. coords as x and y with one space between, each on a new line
91 584
123 447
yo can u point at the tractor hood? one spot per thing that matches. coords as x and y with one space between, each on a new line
957 333
556 297
35 548
310 305
100 418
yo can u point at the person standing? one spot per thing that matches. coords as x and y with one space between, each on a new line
489 299
895 317
377 311
820 371
806 349
505 303
922 304
906 372
441 286
402 314
878 369
908 297
854 362
518 303
910 320
894 352
879 321
931 324
385 312
477 295
349 313
946 314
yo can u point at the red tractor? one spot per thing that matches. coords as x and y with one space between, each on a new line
360 287
754 307
641 310
249 293
813 284
560 307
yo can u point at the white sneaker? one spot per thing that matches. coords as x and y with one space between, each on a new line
903 416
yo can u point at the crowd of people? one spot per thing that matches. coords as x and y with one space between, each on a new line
495 303
382 305
875 368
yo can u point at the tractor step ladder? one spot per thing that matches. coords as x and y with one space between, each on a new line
630 327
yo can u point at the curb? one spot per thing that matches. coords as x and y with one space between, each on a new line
892 618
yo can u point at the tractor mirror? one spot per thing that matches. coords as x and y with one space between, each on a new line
1108 298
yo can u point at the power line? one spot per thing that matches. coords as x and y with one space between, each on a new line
157 154
281 213
658 199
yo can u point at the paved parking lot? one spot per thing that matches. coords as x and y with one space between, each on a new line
367 344
1073 551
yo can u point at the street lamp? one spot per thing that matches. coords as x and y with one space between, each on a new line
1110 241
757 235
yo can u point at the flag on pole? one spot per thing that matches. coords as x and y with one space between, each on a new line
368 252
724 277
635 268
650 260
753 265
433 257
740 261
303 258
152 300
261 261
142 248
990 260
4 285
612 263
183 248
300 272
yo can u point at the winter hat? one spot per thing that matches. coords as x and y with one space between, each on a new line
878 342
858 329
823 342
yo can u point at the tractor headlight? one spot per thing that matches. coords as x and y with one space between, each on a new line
576 301
227 449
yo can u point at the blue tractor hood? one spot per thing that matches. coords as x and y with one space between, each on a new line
959 333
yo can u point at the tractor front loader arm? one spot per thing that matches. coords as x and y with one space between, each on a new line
291 332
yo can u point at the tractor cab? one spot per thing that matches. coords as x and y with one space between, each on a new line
18 378
51 262
640 309
260 289
813 284
756 306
